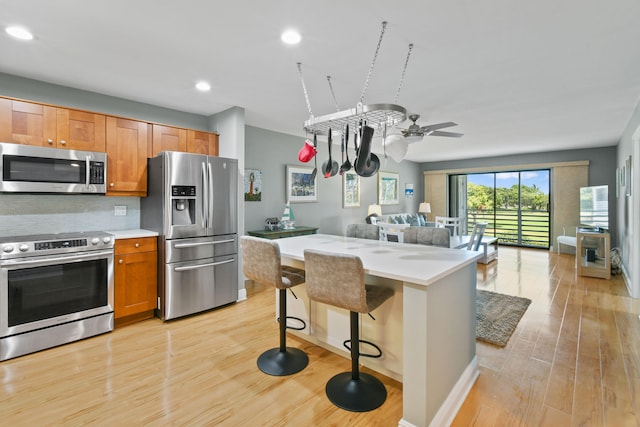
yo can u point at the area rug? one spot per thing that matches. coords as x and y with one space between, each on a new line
497 316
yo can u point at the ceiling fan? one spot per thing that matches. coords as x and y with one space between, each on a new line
415 132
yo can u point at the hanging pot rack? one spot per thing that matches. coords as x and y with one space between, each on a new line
378 116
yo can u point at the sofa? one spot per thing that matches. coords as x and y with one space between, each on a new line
392 224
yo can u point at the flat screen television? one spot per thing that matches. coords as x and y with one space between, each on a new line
594 207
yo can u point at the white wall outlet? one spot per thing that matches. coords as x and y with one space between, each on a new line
120 211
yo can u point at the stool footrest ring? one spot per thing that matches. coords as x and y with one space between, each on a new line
347 345
295 328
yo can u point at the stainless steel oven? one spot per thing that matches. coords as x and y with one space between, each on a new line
54 289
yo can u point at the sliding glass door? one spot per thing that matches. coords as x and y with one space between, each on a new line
515 205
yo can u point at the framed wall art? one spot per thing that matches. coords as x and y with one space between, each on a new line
301 185
629 177
350 190
388 188
252 185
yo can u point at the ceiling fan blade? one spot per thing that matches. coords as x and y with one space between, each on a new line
441 133
437 126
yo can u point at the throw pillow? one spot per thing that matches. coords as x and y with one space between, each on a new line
413 220
400 220
392 220
421 221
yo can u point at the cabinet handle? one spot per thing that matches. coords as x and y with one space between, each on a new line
137 245
112 185
63 142
50 141
120 261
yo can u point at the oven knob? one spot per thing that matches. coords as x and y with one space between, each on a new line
24 247
95 241
106 239
7 248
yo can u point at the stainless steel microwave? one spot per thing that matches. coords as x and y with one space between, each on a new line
32 169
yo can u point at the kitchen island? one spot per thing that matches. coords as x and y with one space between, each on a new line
426 330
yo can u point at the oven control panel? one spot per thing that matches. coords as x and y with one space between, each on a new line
22 246
58 244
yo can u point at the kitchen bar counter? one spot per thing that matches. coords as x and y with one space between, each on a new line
426 330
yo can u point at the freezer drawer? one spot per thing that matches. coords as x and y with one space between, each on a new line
226 244
194 286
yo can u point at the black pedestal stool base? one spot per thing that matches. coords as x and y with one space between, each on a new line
364 394
281 363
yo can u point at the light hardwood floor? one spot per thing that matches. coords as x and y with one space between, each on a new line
573 360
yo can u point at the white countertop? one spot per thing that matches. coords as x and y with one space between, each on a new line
132 234
418 264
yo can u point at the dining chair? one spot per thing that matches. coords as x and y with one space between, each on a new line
476 236
454 224
564 239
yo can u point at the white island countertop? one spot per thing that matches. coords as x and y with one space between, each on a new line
136 233
413 263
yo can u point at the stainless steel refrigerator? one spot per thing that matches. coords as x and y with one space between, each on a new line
192 204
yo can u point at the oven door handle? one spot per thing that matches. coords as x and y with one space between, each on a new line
209 264
50 259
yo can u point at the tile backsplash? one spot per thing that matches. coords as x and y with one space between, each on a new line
23 214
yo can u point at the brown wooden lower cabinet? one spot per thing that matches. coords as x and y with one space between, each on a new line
136 278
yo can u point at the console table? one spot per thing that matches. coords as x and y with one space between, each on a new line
279 234
598 264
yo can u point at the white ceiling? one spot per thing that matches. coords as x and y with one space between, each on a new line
516 76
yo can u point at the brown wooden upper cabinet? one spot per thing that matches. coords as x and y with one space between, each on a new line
127 145
168 138
47 126
202 142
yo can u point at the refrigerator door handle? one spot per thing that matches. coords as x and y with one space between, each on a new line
205 196
210 197
224 241
192 245
209 264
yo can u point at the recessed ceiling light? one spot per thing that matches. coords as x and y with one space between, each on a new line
19 33
203 86
291 37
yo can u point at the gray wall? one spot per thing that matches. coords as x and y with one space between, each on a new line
272 151
629 206
602 166
38 91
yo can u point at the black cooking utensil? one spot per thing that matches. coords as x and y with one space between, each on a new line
315 159
364 165
330 167
346 165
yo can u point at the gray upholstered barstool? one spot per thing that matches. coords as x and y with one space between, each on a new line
261 263
338 280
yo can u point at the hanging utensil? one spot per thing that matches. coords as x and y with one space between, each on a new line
367 164
315 158
346 165
330 167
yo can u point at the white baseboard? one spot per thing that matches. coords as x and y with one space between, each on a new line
449 409
242 294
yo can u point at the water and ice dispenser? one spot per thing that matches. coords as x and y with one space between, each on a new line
183 204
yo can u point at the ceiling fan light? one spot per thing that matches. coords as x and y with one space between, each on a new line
413 138
396 147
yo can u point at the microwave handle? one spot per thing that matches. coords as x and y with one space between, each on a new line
87 170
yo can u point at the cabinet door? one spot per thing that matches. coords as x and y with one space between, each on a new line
79 130
202 142
135 283
127 143
27 123
167 138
